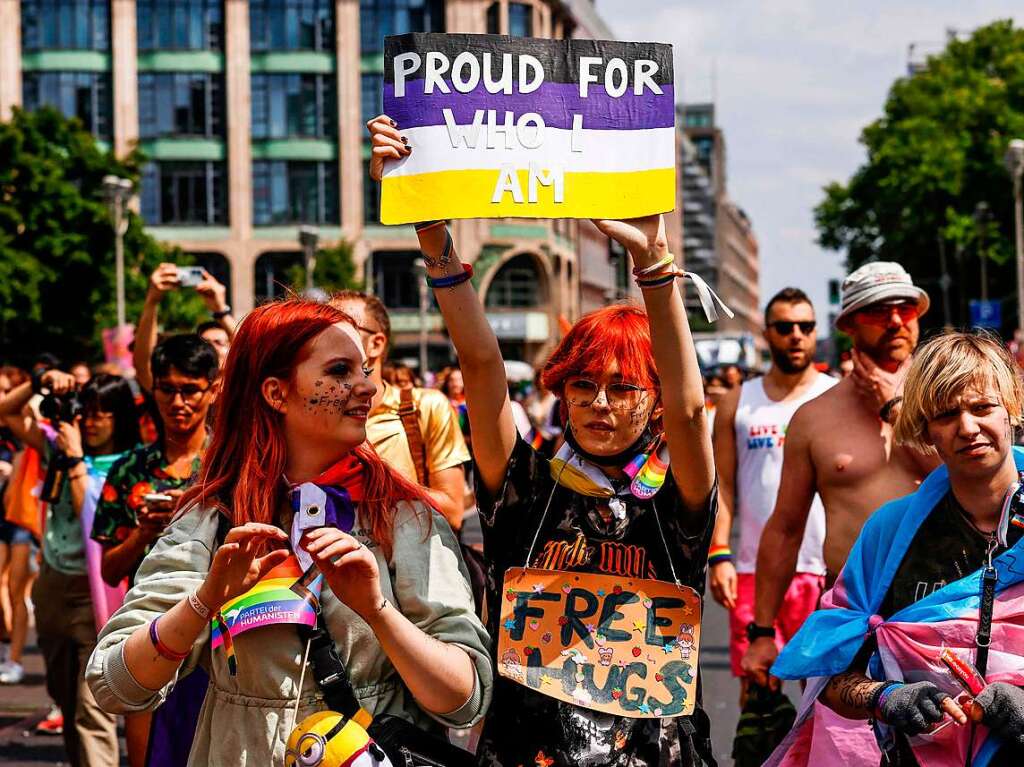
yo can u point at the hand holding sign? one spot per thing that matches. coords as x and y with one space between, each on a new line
386 143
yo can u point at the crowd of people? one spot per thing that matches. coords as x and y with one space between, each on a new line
876 516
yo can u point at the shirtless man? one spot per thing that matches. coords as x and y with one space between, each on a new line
840 445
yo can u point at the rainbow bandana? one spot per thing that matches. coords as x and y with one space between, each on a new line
646 470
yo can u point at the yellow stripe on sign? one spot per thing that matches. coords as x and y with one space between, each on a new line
468 194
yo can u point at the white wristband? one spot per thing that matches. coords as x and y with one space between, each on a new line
197 605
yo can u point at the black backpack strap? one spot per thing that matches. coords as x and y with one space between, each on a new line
328 670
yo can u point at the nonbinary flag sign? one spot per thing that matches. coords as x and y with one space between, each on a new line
530 128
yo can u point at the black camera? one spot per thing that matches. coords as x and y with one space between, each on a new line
61 408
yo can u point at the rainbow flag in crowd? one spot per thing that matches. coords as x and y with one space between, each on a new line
269 602
531 128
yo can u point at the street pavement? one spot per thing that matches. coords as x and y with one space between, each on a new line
23 706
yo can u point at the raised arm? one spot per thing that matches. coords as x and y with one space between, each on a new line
215 296
11 406
163 279
722 575
475 343
779 548
682 388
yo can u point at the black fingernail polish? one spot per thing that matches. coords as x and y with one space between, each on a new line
393 123
405 141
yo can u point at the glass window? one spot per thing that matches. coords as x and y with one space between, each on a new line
395 278
189 192
517 285
494 19
295 192
372 94
85 95
293 105
182 25
379 18
272 274
520 20
371 196
65 24
181 104
289 25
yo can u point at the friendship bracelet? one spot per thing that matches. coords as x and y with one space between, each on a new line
452 280
659 281
163 650
663 262
197 605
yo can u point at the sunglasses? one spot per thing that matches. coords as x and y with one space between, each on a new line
582 392
880 315
785 327
190 393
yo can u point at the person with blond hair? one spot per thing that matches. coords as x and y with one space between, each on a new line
934 580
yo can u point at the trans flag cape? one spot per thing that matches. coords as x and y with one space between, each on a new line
910 641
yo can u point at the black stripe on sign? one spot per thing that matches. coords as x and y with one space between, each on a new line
560 58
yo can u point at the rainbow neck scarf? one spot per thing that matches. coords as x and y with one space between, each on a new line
646 471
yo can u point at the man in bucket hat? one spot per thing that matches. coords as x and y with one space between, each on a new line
840 446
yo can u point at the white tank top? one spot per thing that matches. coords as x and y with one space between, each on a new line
761 425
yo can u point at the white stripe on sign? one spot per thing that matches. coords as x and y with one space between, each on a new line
485 148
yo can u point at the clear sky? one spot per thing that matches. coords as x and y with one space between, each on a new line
794 82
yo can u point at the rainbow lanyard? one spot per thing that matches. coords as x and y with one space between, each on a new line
646 471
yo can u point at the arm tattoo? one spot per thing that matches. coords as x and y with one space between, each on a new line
854 689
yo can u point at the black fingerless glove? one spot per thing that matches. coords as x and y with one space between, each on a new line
913 708
1003 706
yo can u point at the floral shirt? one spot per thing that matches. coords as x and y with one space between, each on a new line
140 472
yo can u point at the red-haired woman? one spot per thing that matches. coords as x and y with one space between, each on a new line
627 379
396 601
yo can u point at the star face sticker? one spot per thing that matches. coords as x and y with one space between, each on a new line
545 679
600 592
644 708
669 647
510 624
538 588
639 626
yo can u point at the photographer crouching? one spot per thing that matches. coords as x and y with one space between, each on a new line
82 432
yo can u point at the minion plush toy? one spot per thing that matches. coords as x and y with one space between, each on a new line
328 739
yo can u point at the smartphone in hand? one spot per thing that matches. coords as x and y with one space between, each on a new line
190 276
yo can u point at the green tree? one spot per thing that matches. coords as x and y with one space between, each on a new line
335 270
57 286
932 157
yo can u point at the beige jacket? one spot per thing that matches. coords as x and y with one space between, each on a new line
246 719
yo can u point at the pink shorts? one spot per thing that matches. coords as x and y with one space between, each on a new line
800 601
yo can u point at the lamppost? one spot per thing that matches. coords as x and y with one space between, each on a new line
982 217
1015 164
421 274
117 191
309 236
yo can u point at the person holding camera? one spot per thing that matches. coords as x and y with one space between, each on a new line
82 431
218 331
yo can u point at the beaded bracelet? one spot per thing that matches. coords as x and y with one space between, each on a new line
452 280
163 650
660 264
719 554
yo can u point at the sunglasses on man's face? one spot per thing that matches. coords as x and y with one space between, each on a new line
881 315
785 327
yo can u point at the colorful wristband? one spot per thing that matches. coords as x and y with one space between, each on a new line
719 554
452 280
879 698
659 280
163 650
655 267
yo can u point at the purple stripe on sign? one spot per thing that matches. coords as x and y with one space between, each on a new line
555 102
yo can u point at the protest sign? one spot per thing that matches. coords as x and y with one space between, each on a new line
622 646
530 128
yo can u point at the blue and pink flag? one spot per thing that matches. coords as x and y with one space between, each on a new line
909 642
527 127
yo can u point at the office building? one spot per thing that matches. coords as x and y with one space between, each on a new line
251 114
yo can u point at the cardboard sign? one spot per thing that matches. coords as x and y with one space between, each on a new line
622 646
503 126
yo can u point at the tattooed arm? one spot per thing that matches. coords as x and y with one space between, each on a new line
849 694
